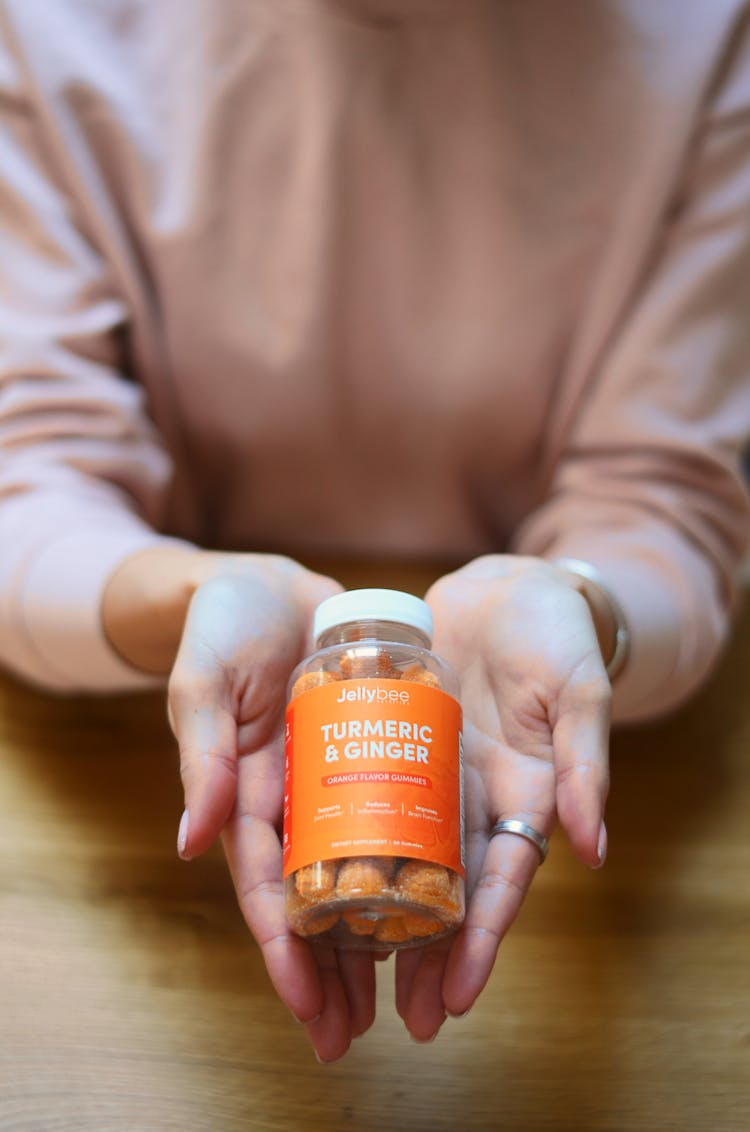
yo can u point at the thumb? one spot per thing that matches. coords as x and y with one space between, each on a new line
206 732
202 707
580 740
243 634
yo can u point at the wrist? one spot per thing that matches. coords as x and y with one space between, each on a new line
145 601
609 619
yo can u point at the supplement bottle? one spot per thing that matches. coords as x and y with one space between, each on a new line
373 785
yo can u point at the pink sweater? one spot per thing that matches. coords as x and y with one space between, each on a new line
397 277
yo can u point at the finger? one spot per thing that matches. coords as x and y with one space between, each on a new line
580 739
331 1033
407 962
357 971
207 740
509 866
424 1013
254 856
222 675
202 718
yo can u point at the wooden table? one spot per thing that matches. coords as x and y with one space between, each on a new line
132 996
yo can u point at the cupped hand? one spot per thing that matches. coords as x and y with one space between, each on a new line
536 701
247 626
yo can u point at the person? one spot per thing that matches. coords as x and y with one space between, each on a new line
465 282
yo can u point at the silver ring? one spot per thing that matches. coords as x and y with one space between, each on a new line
513 825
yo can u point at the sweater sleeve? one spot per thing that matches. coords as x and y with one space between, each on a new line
650 487
82 472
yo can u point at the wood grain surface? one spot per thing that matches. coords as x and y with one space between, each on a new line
132 996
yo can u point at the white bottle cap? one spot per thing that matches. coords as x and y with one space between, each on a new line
372 605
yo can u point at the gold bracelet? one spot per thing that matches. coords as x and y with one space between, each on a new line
622 633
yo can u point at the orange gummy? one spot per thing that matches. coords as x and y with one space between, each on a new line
392 930
362 665
316 881
360 923
418 674
312 680
426 883
418 924
364 876
320 922
303 917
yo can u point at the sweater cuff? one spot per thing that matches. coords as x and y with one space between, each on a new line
648 684
61 610
671 605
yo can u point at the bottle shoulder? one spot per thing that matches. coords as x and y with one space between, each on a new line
374 659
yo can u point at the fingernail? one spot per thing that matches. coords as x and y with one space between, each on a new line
182 833
461 1015
306 1021
431 1038
601 848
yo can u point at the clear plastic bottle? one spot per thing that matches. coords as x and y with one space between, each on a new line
373 794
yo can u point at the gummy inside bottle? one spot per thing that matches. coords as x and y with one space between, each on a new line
374 902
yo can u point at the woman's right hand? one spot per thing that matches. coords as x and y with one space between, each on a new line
248 623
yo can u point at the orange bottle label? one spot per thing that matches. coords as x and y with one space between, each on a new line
373 768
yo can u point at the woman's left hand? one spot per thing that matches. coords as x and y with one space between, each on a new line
536 702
